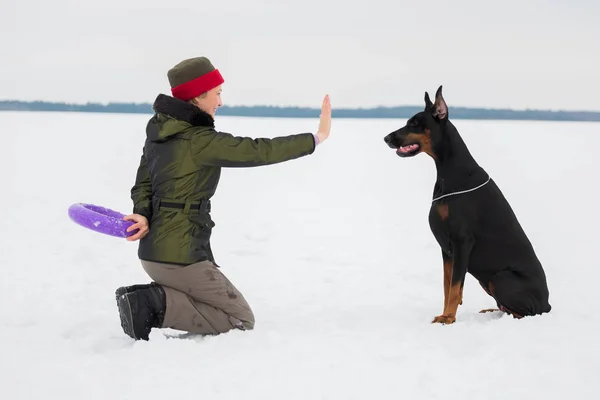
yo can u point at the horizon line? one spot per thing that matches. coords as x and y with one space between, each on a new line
306 107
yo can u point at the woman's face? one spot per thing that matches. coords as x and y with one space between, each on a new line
211 101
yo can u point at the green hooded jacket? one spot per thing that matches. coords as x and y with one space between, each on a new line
179 172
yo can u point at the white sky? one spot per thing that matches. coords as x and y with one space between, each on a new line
513 53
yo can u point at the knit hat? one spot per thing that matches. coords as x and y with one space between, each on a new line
192 77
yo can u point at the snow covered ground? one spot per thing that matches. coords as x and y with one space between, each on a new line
333 252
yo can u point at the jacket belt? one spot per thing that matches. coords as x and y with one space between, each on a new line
202 205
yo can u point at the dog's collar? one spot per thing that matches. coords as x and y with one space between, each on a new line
462 191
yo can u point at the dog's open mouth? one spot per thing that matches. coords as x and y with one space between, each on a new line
408 150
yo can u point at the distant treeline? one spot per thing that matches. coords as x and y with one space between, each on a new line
298 112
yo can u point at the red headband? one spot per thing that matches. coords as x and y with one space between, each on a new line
196 87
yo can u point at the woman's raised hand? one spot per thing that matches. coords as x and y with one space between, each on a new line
325 120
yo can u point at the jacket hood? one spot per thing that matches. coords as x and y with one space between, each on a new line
173 116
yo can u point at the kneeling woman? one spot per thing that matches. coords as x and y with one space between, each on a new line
178 174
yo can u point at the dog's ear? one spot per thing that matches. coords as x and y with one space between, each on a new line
428 103
440 109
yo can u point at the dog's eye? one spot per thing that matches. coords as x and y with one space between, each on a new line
413 122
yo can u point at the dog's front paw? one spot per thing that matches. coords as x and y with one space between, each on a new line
444 319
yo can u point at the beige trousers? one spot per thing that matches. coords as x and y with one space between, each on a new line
200 299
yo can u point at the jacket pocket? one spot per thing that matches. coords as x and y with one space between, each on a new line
202 226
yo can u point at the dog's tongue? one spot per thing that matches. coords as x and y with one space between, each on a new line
406 149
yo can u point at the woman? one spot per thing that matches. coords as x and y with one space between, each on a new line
178 173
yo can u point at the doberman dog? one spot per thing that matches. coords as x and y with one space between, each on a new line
472 221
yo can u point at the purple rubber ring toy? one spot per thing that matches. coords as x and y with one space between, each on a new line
101 219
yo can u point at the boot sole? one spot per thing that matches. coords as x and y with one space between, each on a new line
126 316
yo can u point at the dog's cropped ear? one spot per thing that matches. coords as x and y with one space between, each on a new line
428 103
440 109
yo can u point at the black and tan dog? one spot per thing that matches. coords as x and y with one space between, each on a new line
471 220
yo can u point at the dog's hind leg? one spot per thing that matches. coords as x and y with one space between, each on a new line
518 295
487 310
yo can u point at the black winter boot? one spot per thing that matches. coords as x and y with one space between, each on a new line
141 308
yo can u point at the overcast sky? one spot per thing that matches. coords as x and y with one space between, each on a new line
511 53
